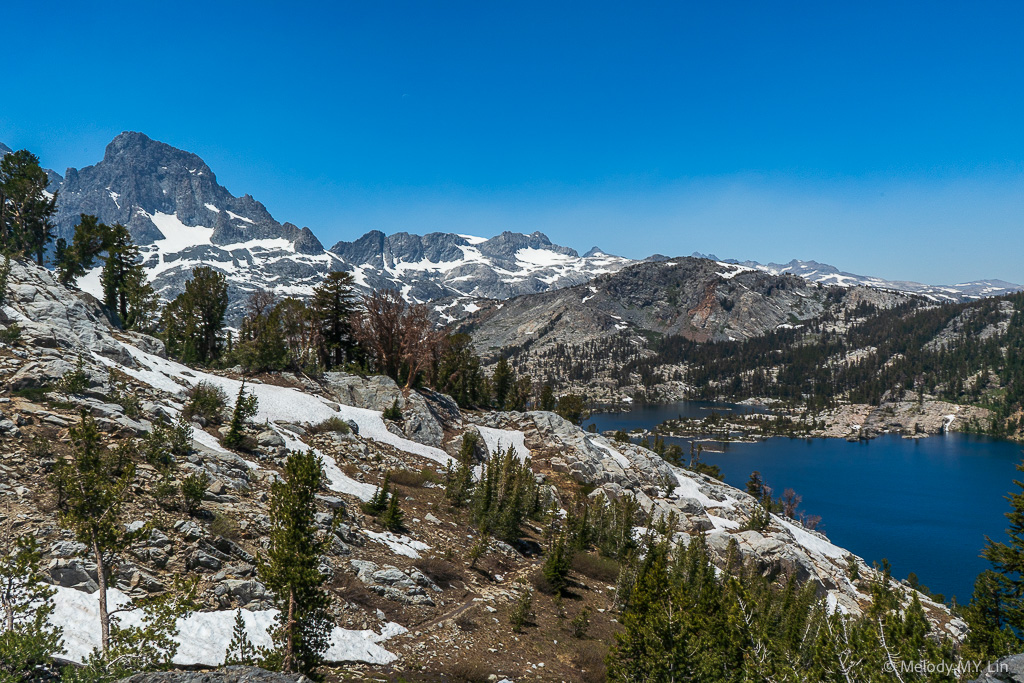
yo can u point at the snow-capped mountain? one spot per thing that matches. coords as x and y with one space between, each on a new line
444 265
181 217
830 275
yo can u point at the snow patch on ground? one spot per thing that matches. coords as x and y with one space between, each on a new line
275 403
616 456
336 479
812 542
687 487
502 439
400 545
723 524
203 636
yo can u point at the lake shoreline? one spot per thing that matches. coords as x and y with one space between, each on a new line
925 504
852 422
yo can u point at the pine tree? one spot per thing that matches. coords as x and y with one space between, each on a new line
459 374
193 323
547 398
459 479
556 567
28 641
501 382
291 568
990 636
996 612
92 487
5 273
74 260
378 503
261 345
331 309
25 209
246 406
121 256
1007 561
241 651
126 290
393 518
572 407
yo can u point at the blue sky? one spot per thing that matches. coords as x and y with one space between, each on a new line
885 138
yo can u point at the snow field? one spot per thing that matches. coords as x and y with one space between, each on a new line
203 637
495 439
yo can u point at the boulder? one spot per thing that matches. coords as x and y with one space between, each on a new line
228 674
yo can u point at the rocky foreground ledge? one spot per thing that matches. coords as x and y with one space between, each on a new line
229 674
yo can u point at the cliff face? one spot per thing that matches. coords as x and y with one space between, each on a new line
383 582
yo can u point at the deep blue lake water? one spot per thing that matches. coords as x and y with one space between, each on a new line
925 504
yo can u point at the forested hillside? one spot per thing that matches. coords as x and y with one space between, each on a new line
853 352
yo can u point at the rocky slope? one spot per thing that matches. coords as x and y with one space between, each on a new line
613 318
402 600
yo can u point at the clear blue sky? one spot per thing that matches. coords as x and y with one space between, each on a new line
886 138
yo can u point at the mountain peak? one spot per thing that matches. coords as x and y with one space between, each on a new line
4 149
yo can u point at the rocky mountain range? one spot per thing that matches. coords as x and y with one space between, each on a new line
182 217
830 275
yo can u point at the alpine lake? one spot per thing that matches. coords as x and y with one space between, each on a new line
924 504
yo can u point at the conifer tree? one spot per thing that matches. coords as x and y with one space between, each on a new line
26 209
92 487
393 518
261 343
291 568
193 324
547 398
378 503
556 566
126 290
245 408
459 479
330 310
502 382
459 374
241 651
996 611
28 641
74 260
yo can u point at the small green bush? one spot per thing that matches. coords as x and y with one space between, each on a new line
10 334
193 487
412 478
580 624
522 611
331 424
224 526
394 413
439 571
207 401
595 567
468 671
74 381
759 520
